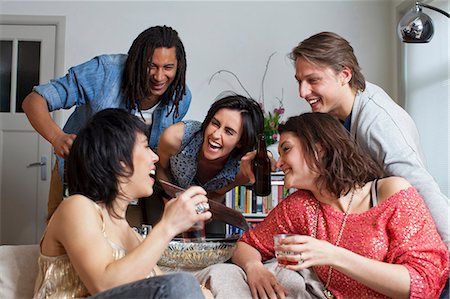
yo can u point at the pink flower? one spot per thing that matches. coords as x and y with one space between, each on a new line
279 110
275 137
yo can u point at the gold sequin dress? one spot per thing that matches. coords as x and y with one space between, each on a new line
57 278
398 231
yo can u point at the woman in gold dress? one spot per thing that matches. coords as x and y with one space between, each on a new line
88 247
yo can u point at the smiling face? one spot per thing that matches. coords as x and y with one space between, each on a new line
140 184
297 173
162 70
222 134
324 90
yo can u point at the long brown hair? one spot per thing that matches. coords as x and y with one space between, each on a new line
329 150
331 50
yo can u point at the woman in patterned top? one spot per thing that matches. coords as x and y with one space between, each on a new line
365 236
208 154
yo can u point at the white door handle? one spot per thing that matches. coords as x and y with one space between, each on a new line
43 165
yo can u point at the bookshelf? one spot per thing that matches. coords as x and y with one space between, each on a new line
255 208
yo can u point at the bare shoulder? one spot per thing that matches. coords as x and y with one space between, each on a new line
175 130
73 217
391 185
75 209
74 203
170 140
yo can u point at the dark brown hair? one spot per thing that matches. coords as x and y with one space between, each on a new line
331 50
252 119
136 76
340 163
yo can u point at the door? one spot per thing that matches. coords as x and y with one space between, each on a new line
27 55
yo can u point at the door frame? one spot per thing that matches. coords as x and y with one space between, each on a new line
60 23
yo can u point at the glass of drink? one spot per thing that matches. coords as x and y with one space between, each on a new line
276 241
196 233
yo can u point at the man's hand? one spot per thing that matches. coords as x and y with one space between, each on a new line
62 144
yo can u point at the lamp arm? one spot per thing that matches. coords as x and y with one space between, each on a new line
433 8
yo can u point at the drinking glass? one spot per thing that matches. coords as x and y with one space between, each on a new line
196 233
276 241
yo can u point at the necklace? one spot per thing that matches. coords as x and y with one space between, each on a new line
326 292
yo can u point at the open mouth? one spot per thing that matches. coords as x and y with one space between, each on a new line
214 145
158 86
152 174
313 101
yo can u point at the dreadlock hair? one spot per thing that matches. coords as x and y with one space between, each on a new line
331 152
136 76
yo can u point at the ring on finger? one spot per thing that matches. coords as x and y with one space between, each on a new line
201 207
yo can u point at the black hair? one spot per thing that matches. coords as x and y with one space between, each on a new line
136 76
102 153
252 119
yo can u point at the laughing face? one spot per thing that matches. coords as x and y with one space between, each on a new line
222 134
144 160
297 173
324 90
163 70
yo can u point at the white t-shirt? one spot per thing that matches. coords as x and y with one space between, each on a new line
146 115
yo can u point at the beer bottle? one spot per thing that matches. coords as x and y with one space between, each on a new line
262 169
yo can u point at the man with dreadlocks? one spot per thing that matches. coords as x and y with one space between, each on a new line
150 82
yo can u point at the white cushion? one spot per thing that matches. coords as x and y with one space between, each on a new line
18 270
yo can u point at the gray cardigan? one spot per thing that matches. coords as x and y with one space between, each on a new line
388 133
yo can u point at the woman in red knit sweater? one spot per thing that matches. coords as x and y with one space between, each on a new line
365 236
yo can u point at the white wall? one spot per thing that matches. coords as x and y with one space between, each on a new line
238 36
427 97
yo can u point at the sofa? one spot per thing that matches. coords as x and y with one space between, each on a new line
18 270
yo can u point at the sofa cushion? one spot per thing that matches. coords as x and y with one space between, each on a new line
18 270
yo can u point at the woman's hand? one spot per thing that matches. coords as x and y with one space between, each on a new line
247 165
180 213
307 251
263 284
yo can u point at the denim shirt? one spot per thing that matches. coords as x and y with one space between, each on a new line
97 85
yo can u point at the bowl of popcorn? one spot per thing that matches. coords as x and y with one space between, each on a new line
197 255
